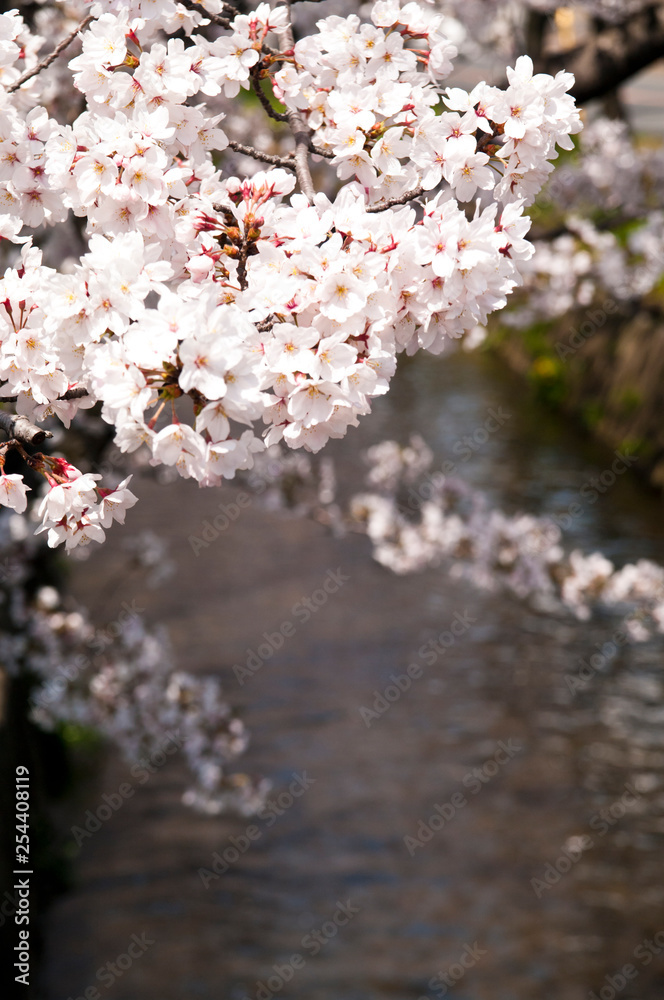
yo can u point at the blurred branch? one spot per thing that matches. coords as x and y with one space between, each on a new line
535 33
612 55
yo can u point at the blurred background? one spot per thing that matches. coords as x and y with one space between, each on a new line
491 824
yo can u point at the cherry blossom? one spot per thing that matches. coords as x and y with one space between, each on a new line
13 492
520 553
211 315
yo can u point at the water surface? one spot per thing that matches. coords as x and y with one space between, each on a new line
330 900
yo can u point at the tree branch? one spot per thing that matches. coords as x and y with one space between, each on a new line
300 130
198 8
73 394
78 393
400 199
320 152
223 22
60 47
278 116
279 161
612 55
20 429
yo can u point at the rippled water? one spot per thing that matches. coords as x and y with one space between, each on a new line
534 808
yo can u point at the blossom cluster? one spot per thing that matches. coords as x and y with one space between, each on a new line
370 98
212 315
520 553
75 510
119 680
132 694
607 202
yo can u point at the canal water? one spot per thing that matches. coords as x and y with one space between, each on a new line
491 832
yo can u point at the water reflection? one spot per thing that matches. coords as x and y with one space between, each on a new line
547 880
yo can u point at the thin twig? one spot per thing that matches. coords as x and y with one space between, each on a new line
78 393
242 264
60 47
300 130
198 8
279 116
279 161
224 22
328 154
20 429
401 199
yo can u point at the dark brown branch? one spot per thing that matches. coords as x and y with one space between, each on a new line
279 161
198 8
51 57
73 394
400 199
535 30
69 394
320 152
20 429
242 264
612 55
278 116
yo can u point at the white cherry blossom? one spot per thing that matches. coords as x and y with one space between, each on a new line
209 311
